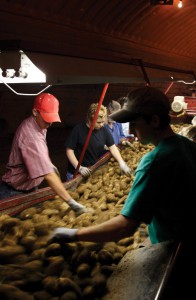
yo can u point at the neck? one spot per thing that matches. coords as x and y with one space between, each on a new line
162 134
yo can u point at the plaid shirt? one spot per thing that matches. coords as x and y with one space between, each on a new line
29 159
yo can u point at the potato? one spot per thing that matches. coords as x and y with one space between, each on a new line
117 257
28 213
81 189
8 291
103 206
9 223
49 212
99 281
111 198
19 259
40 242
126 241
34 265
66 284
96 187
39 218
81 256
28 226
28 242
89 292
8 251
86 194
12 274
53 249
42 295
110 247
74 195
50 284
83 270
55 265
118 194
105 257
107 270
41 228
8 242
71 295
38 253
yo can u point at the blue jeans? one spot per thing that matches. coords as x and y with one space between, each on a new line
69 176
7 191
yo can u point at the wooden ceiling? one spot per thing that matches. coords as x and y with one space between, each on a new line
102 39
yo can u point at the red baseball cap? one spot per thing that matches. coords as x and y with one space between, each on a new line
48 107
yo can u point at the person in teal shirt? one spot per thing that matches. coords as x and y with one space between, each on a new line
163 194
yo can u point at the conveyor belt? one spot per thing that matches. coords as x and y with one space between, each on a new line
14 205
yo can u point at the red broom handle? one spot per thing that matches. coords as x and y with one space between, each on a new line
91 128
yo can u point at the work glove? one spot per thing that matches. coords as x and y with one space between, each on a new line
76 207
124 168
84 171
62 235
126 143
106 148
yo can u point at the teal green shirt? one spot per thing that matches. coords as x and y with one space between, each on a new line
163 193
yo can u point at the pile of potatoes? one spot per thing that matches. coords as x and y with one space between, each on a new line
32 269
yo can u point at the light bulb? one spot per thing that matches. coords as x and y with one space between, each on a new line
180 4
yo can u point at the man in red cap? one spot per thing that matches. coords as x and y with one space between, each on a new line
29 162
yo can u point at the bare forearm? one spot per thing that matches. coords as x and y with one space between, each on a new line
72 158
57 186
115 153
112 230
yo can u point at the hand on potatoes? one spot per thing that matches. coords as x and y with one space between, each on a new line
124 168
127 143
62 235
84 171
77 207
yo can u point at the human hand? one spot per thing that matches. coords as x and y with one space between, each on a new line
77 207
124 167
127 143
106 148
84 171
62 235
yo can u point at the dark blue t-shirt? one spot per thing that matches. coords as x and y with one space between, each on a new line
76 141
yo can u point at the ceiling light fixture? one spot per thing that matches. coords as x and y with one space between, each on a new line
27 73
180 4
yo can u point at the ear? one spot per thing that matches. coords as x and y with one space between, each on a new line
155 121
34 111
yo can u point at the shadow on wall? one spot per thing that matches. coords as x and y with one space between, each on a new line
3 127
5 142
